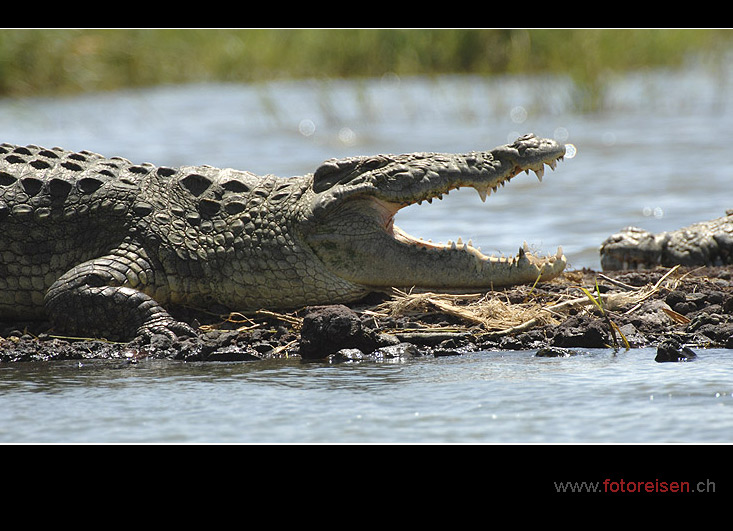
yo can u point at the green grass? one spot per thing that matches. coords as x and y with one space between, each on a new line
59 61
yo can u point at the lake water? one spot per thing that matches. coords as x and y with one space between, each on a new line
657 156
595 396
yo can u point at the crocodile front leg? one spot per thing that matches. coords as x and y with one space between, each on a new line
95 297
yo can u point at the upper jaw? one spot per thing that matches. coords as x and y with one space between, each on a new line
483 171
415 177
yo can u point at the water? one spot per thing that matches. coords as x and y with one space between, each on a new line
595 396
657 156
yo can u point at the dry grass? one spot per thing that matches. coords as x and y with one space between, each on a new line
486 310
497 316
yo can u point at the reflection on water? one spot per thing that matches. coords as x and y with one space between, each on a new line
657 156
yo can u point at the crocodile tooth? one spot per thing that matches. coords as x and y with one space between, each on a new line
526 171
539 173
481 193
459 242
470 243
559 252
525 247
552 164
452 245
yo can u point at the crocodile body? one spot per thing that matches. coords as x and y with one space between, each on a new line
707 243
100 246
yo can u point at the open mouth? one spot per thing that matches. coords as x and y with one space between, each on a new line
356 238
389 210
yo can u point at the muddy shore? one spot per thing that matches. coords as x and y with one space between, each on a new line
678 311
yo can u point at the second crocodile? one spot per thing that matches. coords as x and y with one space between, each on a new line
100 246
707 243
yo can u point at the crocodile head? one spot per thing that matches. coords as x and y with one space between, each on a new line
353 202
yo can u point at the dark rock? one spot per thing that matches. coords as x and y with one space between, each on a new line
632 335
713 326
512 343
262 347
699 299
217 345
675 297
328 329
348 354
454 351
442 352
670 350
400 350
431 337
684 307
582 331
233 353
554 352
160 342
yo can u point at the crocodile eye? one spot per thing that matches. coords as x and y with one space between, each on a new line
333 172
325 176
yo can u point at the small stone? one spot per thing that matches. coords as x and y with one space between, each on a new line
669 350
348 354
554 352
401 350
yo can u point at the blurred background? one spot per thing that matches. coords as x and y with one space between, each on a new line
647 111
62 61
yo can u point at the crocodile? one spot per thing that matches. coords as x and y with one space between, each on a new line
105 247
707 243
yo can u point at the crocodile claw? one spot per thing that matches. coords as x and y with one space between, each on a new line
166 326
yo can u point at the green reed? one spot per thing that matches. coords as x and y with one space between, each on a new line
58 61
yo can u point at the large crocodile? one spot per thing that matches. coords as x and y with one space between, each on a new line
100 245
707 243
